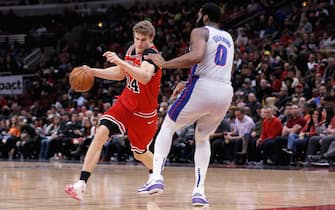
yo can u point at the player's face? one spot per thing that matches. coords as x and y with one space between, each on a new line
142 42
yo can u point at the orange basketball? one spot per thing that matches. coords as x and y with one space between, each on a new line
81 80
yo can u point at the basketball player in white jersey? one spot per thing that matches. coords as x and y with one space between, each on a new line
204 101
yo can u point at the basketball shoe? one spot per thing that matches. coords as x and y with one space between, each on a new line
199 199
76 190
153 186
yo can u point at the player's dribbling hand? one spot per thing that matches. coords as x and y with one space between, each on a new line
112 57
85 67
156 58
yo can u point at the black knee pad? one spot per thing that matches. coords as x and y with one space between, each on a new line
112 127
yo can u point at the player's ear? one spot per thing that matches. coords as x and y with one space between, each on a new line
205 18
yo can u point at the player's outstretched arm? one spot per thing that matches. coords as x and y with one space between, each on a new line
142 74
111 73
198 43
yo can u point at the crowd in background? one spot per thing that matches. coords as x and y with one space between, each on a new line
283 77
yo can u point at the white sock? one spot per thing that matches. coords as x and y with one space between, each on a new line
162 146
201 161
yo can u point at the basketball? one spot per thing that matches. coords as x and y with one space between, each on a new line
81 80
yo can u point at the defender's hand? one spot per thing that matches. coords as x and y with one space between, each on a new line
156 58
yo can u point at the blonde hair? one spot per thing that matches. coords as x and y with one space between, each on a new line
145 27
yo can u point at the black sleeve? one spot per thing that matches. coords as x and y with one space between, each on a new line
146 52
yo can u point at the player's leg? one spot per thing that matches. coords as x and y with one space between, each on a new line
104 131
183 112
162 147
145 157
206 126
94 150
163 144
202 155
212 110
141 132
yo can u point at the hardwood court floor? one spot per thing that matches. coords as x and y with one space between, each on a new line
40 186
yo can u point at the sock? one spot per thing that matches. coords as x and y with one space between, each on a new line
162 146
84 175
201 160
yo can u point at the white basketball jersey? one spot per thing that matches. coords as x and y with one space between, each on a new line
218 61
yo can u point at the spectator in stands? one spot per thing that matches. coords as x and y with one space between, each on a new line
218 142
327 41
329 74
253 153
183 145
276 83
29 143
56 139
271 128
323 141
50 133
305 25
298 91
283 97
241 132
74 130
11 137
263 90
290 132
311 64
88 135
242 39
313 127
329 155
247 87
117 148
253 104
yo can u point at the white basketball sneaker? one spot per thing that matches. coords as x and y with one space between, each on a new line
153 186
199 200
76 190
